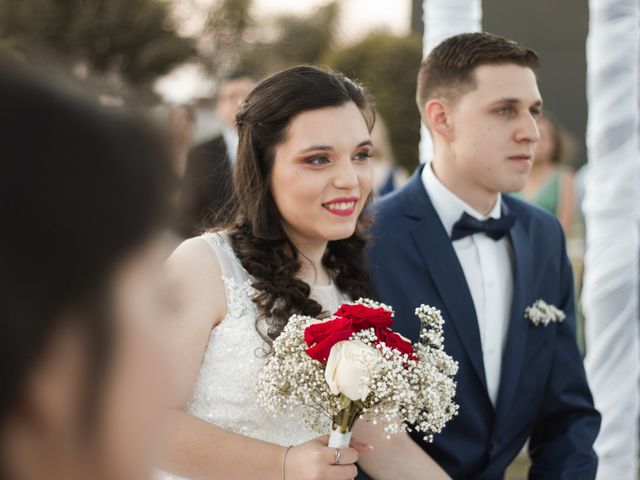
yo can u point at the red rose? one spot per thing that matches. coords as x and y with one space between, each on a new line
365 317
321 337
395 341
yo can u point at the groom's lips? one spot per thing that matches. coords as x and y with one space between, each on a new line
521 158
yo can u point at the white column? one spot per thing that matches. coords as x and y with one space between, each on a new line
444 19
612 210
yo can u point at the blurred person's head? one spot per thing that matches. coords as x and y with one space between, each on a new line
382 150
478 96
302 178
83 199
556 145
232 89
384 161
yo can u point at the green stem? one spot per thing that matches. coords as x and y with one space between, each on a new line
348 415
344 425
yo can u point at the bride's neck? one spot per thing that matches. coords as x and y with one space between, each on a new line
313 273
310 254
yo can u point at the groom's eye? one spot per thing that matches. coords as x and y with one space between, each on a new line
506 110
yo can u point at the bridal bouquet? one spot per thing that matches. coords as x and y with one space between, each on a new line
354 365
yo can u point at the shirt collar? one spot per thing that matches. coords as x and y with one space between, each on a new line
449 206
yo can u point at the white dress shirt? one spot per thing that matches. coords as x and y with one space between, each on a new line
488 269
230 137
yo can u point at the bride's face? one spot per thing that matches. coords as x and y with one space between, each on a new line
322 173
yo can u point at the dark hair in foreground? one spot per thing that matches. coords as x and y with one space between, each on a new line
448 71
257 233
81 189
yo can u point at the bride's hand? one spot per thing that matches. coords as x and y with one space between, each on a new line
314 460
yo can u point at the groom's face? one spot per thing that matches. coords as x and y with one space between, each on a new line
494 128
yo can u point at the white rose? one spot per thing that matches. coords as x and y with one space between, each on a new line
349 368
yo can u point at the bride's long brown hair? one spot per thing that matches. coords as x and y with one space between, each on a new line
257 235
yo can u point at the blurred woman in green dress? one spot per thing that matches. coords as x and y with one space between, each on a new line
550 184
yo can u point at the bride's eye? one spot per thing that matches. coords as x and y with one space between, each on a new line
363 155
319 160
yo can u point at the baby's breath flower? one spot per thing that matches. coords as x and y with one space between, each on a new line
541 313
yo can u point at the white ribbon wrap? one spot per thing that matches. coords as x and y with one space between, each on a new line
337 439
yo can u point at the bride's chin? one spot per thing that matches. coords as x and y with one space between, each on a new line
340 234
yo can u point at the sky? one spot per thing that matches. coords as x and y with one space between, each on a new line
358 17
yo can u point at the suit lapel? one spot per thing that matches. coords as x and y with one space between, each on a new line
514 351
439 256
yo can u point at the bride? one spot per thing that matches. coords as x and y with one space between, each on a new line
293 245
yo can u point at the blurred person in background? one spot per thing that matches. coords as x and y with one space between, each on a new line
550 184
177 123
207 179
180 123
387 174
580 184
83 207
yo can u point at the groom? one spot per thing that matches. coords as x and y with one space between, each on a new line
451 239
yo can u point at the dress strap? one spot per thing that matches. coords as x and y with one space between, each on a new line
230 265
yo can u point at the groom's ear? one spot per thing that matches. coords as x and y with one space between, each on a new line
436 117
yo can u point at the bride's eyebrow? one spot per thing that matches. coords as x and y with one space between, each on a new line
315 148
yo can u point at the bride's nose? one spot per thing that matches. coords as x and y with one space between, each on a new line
346 177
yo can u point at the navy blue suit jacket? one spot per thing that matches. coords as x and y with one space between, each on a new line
543 392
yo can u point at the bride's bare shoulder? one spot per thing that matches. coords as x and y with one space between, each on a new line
194 269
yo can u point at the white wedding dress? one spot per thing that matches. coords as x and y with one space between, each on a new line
225 390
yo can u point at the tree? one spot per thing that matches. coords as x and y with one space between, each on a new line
128 40
222 42
299 40
388 66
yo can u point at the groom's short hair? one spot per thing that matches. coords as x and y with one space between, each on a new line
448 71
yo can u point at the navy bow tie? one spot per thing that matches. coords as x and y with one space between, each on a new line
495 228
